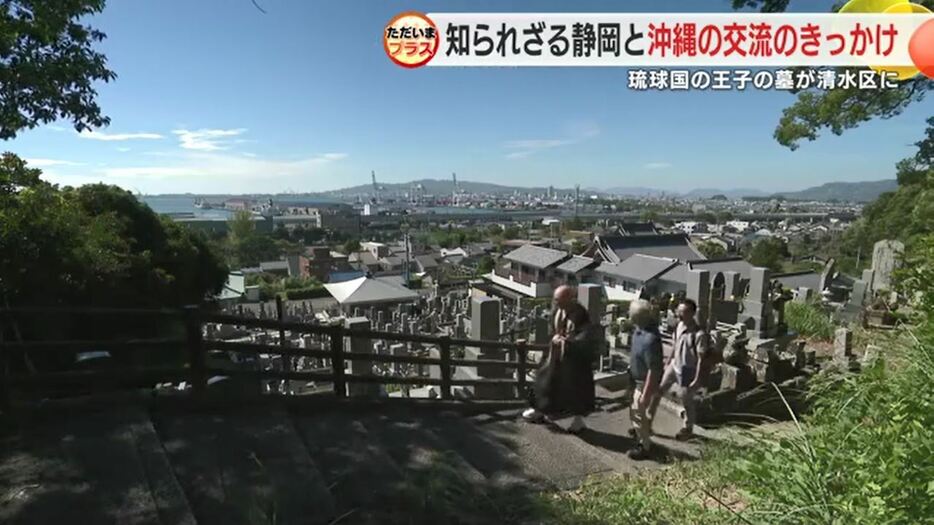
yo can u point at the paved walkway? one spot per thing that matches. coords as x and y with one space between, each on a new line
142 463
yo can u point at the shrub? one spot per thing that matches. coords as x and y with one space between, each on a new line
306 293
808 320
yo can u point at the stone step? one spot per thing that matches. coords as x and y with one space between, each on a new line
245 466
361 475
94 466
563 459
502 467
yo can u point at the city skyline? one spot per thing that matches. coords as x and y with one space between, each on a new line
222 98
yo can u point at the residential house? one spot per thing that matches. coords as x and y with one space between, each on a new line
623 281
529 270
234 290
321 263
427 265
275 267
576 270
690 227
616 247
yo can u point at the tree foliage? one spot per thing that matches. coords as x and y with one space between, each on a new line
95 245
768 253
246 246
711 250
906 214
838 109
48 66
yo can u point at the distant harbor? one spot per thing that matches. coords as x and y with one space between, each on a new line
213 207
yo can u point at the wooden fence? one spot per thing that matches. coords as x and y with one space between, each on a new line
196 370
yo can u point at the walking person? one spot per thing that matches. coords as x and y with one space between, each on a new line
687 366
564 382
646 365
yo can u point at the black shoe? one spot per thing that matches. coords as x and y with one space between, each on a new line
639 453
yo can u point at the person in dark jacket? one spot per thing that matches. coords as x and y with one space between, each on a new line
564 383
646 364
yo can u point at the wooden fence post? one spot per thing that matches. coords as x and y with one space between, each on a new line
4 376
196 358
337 360
286 360
445 354
521 370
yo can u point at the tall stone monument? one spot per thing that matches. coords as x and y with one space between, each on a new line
484 325
362 367
885 256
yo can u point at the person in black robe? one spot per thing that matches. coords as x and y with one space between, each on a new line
564 383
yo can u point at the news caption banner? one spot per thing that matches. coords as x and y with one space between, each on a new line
669 51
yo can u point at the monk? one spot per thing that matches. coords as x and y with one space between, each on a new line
564 383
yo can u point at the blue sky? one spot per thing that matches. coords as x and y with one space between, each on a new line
215 96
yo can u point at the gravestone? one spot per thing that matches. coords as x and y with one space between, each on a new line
398 349
843 347
540 335
885 256
484 325
803 294
827 275
868 278
858 293
698 289
757 308
591 297
361 345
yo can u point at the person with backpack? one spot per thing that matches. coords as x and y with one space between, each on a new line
687 366
646 364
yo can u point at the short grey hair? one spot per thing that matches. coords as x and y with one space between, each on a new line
641 312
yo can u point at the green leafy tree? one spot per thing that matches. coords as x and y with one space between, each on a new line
839 109
351 246
95 245
246 245
48 66
485 265
768 253
711 250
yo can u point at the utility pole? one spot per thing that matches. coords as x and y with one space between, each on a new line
375 186
405 240
577 198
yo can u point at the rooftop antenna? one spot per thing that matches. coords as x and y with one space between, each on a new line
375 186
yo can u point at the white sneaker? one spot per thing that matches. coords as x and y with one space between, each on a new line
577 425
532 415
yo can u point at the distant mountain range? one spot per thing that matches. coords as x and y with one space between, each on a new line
840 191
844 191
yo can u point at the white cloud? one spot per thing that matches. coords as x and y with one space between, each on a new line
110 137
330 157
207 139
657 165
44 163
218 168
123 150
577 133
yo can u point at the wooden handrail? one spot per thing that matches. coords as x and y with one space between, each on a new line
173 312
197 371
257 348
306 328
95 345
